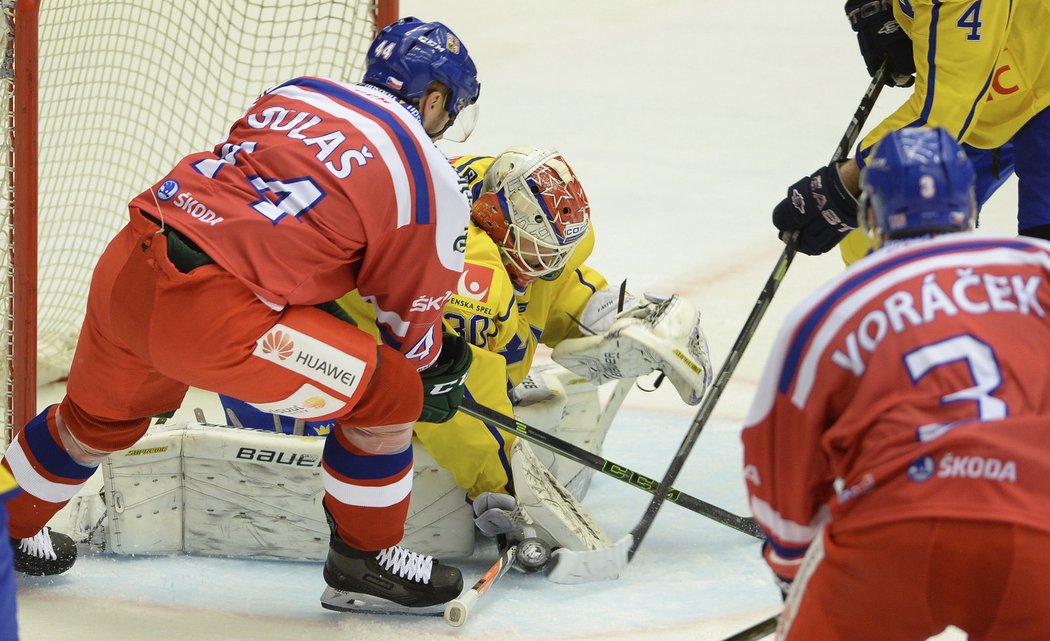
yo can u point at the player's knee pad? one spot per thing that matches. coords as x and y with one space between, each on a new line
385 439
99 435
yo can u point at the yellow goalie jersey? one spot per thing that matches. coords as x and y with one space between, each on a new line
982 72
8 487
504 327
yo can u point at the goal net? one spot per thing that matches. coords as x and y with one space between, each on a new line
101 97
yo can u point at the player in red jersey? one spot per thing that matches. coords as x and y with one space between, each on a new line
896 454
320 188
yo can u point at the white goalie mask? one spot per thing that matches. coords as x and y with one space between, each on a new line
534 207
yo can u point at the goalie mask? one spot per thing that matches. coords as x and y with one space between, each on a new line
534 208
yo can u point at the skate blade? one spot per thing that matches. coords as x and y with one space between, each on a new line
342 601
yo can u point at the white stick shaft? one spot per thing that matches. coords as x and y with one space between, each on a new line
458 609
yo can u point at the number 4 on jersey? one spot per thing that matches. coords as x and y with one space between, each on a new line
422 348
285 197
278 198
971 19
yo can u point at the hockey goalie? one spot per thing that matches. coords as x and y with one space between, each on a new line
245 492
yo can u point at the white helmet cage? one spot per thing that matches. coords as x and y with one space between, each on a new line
543 208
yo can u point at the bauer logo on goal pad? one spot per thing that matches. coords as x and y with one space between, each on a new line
168 189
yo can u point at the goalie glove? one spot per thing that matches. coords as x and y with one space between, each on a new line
660 335
606 305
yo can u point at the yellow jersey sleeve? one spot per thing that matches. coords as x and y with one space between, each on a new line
982 72
981 68
473 169
8 486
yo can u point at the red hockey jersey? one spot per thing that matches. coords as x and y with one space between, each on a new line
323 188
915 384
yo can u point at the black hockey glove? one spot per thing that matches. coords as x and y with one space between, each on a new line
443 381
881 38
821 208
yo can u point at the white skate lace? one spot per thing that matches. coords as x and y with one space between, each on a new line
39 545
406 564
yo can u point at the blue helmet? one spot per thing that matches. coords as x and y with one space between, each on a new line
409 54
917 181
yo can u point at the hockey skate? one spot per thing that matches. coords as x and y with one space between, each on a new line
44 554
390 581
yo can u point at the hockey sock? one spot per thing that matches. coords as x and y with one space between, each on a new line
48 475
367 494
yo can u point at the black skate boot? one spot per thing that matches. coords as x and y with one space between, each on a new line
45 553
394 580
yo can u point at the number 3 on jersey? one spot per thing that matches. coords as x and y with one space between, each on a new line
984 368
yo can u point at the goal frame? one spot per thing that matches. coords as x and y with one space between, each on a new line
22 182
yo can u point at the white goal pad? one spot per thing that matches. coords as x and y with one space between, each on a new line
218 490
229 491
568 406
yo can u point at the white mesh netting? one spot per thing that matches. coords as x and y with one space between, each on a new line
128 88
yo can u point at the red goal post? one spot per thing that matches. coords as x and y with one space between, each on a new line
102 97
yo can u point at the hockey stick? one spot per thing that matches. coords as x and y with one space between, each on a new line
759 310
867 102
757 631
612 406
458 609
615 470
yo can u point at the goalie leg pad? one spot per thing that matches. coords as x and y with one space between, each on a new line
226 491
540 400
568 406
605 564
546 506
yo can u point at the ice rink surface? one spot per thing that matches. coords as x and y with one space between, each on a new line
685 120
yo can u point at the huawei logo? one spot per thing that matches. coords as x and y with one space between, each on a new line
278 343
314 403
